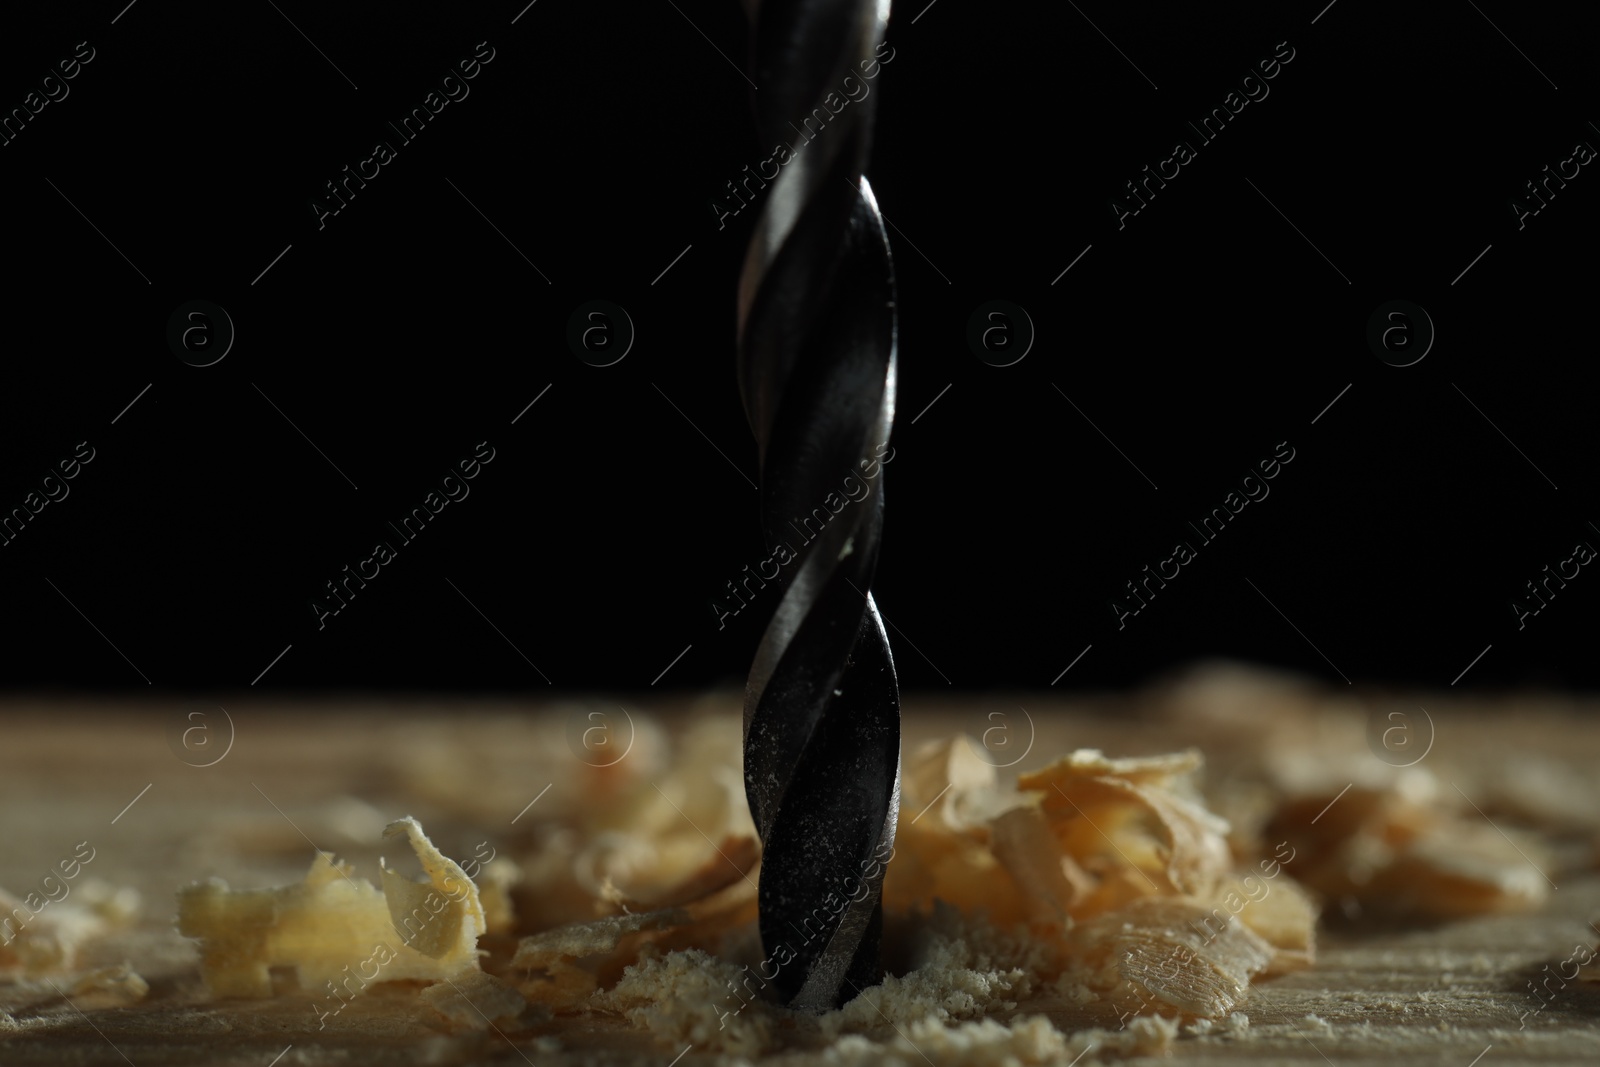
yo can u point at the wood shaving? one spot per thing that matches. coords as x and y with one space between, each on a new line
1049 880
42 936
562 983
1284 915
1153 953
1110 814
118 985
332 922
1543 791
1401 850
494 893
933 863
644 829
1116 864
963 787
659 833
573 961
942 844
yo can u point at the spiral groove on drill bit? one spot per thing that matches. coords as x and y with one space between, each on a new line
817 358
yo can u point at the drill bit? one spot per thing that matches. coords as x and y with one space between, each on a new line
817 375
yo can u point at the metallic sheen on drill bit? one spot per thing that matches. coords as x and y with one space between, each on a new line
817 343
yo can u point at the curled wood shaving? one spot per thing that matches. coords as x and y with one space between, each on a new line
1144 813
333 927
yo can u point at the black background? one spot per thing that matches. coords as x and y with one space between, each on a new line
1213 326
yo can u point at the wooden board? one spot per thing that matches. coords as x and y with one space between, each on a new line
330 773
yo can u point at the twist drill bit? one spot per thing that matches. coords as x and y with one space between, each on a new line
817 375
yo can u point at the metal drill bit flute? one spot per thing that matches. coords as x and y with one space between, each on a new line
817 375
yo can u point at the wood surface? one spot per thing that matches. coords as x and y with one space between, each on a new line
329 771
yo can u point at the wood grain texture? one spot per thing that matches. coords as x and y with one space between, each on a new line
325 773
